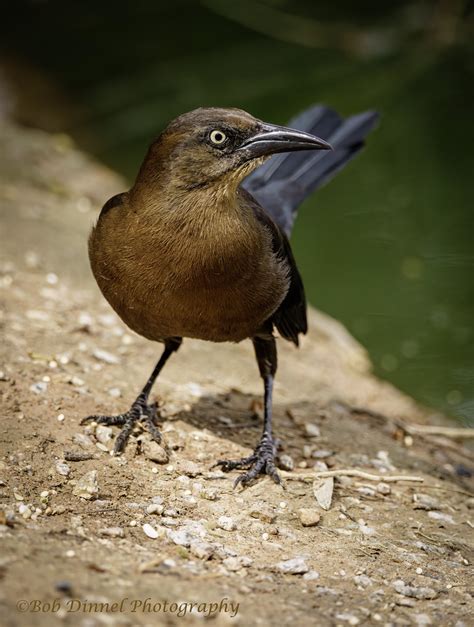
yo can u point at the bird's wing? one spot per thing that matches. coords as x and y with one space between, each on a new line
282 183
290 317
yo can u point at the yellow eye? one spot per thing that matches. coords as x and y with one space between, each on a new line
218 137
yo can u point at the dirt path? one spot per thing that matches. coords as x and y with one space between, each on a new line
75 519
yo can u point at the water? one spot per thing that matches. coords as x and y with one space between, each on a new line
387 247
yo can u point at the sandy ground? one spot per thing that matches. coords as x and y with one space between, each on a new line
76 523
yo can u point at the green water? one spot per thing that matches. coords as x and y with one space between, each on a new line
387 247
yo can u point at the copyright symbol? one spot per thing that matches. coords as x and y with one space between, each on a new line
22 605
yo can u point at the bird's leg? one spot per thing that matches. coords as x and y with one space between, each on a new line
140 410
262 460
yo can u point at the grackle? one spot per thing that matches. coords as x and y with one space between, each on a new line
199 246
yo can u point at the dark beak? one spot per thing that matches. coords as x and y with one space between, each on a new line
271 139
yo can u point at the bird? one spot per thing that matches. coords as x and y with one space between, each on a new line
199 246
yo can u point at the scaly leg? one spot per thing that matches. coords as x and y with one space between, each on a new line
262 460
140 410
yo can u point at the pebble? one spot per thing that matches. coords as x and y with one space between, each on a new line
115 392
262 511
202 550
235 563
363 581
103 434
309 517
425 501
87 486
411 591
112 532
321 454
447 518
83 440
155 508
348 618
150 531
154 452
60 417
422 620
312 430
285 462
24 511
227 523
311 575
383 488
322 490
105 356
189 468
366 530
210 494
366 491
294 566
39 388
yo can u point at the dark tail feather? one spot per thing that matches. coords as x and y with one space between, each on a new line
284 181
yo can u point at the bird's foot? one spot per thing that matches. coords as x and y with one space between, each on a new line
140 411
261 462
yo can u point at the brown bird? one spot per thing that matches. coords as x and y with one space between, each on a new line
194 250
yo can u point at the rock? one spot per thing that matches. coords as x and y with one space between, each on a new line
87 487
262 511
323 489
182 536
226 523
24 511
363 581
425 501
447 518
285 462
321 454
83 440
202 550
309 517
411 591
366 529
154 452
294 566
103 434
189 468
39 388
62 468
422 620
150 531
348 618
312 430
232 563
105 356
112 532
155 508
383 488
311 575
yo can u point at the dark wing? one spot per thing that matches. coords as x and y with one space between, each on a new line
290 317
282 183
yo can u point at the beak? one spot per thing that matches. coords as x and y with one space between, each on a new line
271 139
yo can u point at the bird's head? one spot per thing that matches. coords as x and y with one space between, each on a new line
218 146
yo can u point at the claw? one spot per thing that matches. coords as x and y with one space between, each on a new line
261 462
139 411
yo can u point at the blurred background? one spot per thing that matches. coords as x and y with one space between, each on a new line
388 246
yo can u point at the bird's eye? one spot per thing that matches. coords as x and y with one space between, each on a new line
218 137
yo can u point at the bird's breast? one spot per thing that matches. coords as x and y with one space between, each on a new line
212 287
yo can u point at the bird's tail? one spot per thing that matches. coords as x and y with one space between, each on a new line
282 183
